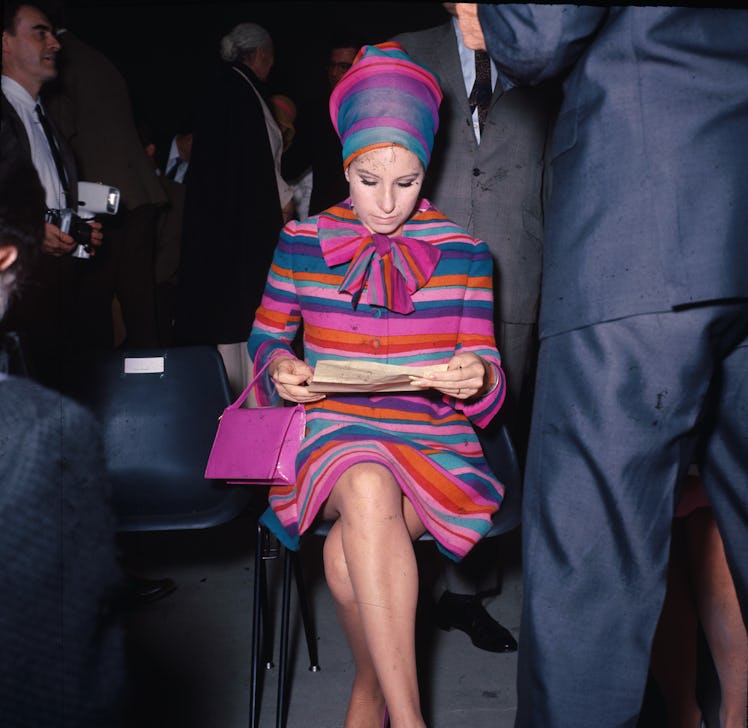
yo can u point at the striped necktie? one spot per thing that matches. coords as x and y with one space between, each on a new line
480 96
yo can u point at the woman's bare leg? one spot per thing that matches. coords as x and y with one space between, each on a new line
720 616
371 569
366 701
673 658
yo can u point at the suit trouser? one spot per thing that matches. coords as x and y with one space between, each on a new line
133 248
618 410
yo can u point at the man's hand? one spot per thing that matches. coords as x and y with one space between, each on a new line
97 237
56 242
467 19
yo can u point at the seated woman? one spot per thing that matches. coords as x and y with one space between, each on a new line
384 277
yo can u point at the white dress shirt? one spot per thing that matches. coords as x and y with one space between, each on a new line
41 154
175 159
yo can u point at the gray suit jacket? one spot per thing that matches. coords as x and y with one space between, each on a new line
62 644
493 189
649 160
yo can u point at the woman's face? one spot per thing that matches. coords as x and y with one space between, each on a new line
385 185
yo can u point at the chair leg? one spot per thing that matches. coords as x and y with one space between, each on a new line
267 625
306 617
261 625
270 550
280 712
260 595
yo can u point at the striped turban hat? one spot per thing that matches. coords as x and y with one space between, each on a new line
386 98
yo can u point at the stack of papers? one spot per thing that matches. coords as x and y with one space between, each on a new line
367 376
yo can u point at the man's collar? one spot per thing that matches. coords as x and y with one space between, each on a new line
13 89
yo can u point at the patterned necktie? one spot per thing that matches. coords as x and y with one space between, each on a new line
480 96
61 172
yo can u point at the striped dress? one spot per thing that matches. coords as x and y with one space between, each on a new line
425 439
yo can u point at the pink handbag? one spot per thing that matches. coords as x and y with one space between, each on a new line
257 445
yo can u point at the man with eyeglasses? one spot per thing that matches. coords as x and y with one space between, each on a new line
341 59
316 145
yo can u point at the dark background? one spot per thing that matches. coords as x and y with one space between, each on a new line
168 51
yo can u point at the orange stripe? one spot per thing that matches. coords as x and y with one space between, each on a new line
443 490
321 278
475 283
276 320
348 408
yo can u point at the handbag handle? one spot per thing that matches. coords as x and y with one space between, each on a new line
240 399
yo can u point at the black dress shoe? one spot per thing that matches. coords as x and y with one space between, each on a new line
466 613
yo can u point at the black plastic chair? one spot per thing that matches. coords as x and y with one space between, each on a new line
159 411
501 455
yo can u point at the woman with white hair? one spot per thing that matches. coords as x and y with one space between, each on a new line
233 204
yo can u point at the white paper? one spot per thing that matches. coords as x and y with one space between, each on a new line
144 365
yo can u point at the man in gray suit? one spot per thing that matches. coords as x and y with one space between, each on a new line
643 362
486 174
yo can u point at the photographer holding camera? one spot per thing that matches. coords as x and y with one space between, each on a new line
67 305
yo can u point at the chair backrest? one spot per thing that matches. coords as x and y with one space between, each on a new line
159 411
502 457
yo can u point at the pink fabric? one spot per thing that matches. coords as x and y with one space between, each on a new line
386 98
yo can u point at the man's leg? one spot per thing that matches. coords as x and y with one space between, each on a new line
133 244
615 407
465 585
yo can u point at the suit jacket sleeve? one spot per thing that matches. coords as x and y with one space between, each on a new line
533 43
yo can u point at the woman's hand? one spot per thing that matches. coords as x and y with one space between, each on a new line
467 376
291 376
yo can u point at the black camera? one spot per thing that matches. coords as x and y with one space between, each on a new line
75 226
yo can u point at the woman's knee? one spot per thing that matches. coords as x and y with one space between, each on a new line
366 490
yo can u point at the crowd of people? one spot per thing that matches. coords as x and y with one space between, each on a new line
548 201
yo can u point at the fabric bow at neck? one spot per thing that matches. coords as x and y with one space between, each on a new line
392 269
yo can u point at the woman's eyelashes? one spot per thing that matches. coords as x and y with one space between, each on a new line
373 183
